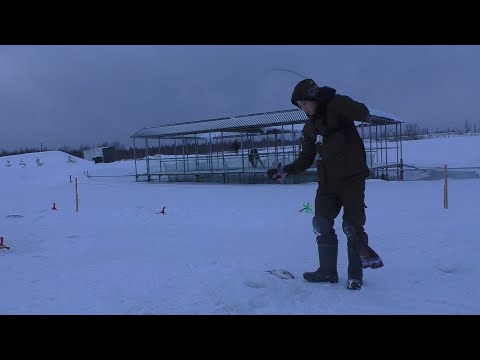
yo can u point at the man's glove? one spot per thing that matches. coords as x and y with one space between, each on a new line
277 174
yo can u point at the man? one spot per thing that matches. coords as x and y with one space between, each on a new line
256 158
252 159
330 137
235 146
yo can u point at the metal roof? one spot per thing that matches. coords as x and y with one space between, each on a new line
252 123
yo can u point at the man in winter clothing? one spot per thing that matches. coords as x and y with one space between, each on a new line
235 146
331 138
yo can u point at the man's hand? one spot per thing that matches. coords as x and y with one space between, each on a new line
277 174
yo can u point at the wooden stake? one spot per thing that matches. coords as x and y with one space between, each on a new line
445 189
76 192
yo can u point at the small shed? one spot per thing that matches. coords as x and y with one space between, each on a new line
100 155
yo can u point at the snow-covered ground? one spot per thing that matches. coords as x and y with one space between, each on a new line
209 253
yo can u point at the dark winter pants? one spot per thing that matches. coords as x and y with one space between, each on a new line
329 201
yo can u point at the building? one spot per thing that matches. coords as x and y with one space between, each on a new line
203 149
100 155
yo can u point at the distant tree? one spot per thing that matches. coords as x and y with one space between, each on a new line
468 128
64 148
117 145
412 131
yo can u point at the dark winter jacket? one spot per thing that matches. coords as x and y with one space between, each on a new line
331 136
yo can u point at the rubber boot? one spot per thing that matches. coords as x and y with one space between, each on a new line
355 270
369 257
327 256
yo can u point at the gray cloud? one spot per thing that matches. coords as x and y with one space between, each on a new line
89 94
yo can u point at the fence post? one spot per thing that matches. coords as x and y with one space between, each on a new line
445 189
401 168
76 193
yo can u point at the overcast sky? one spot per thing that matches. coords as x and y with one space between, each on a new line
73 95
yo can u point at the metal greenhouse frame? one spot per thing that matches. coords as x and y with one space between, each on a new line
203 149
